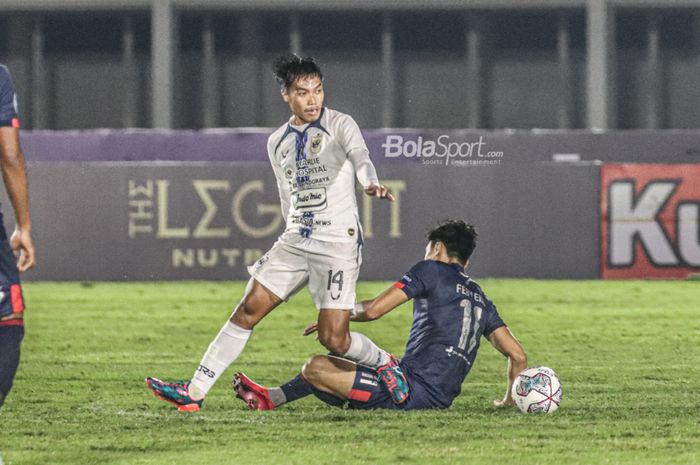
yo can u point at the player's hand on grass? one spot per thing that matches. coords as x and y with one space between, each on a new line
380 191
23 248
312 328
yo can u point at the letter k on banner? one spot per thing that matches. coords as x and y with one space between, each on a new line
650 217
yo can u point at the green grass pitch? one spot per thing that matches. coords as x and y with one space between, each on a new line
627 354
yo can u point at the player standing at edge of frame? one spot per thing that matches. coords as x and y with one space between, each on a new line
450 314
17 255
315 156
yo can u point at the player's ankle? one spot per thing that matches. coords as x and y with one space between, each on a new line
277 396
195 393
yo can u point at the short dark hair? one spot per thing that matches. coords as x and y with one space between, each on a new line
288 68
458 237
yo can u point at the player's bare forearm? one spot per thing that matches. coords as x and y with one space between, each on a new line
515 366
14 174
504 341
373 309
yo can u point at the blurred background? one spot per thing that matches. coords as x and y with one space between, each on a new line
586 112
492 64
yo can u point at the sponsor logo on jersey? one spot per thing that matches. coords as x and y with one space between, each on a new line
311 199
451 351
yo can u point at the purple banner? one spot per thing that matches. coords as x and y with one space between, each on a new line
155 221
426 147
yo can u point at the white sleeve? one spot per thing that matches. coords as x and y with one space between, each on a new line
357 152
364 169
285 199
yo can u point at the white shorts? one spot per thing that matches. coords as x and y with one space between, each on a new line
331 269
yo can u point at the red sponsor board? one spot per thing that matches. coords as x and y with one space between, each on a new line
650 217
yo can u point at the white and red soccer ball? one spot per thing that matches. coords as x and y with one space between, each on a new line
537 390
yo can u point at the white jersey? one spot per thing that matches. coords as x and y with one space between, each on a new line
315 166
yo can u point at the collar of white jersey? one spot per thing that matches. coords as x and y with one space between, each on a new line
290 129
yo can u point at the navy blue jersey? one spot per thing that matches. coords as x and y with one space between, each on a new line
8 99
450 314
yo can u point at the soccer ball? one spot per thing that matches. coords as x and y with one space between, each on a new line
537 390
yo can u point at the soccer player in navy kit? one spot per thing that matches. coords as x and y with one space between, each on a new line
450 314
17 254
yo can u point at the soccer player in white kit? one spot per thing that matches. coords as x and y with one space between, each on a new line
316 157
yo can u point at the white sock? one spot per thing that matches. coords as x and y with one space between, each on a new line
222 352
365 352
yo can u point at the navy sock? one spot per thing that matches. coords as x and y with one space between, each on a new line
330 399
296 389
10 341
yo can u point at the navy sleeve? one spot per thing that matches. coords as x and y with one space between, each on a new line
493 320
8 99
419 280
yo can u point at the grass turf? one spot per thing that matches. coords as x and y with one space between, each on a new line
627 354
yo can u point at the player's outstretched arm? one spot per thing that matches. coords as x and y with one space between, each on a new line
364 168
14 173
369 310
385 302
504 342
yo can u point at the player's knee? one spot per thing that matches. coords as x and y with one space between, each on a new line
245 315
256 303
312 371
336 343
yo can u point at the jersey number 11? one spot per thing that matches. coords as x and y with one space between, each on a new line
470 314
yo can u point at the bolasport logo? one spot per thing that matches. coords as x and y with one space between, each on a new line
442 151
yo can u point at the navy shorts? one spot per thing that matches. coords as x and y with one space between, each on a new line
11 300
369 393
